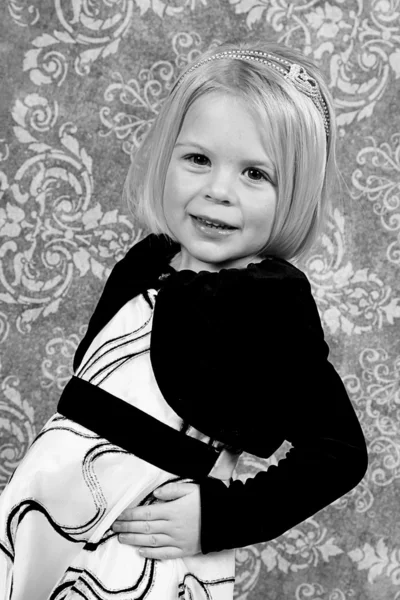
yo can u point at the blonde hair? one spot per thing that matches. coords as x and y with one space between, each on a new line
295 140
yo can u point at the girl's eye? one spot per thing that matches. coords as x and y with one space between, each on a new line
195 156
263 175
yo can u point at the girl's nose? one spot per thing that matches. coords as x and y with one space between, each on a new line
221 189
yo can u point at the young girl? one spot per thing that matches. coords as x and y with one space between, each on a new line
206 343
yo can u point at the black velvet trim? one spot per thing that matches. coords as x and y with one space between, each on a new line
135 431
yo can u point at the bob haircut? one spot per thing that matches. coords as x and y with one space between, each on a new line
291 127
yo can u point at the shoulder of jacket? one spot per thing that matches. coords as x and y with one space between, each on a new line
283 295
278 270
280 287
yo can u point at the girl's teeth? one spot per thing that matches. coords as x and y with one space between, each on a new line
213 224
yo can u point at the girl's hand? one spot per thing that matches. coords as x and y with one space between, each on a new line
165 529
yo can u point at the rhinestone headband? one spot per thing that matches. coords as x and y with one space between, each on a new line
291 71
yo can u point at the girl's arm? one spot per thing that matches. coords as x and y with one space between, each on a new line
306 400
318 470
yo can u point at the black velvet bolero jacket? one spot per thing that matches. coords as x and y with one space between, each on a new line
240 355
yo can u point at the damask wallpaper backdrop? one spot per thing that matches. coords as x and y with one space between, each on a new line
81 81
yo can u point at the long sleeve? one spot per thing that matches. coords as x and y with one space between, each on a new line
304 398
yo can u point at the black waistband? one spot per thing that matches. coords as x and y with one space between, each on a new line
135 431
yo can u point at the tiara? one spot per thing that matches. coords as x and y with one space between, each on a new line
291 71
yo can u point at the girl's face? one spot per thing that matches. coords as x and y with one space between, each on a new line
219 171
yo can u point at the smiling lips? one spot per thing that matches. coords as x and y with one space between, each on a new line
218 222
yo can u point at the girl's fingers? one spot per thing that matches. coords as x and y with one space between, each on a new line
171 491
147 541
146 527
138 513
155 512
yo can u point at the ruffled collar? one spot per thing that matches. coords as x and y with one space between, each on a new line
163 249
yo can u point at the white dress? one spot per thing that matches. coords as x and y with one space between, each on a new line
72 484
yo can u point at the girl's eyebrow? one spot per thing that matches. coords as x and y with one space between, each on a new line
255 161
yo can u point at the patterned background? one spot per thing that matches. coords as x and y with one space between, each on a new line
81 80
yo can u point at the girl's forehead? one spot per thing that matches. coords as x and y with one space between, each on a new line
214 108
208 102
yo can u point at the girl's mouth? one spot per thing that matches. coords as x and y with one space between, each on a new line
210 228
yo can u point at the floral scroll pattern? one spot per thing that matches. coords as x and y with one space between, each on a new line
63 226
383 187
17 427
49 225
